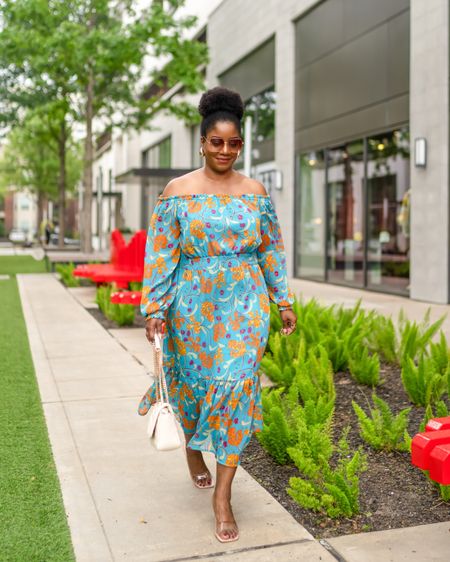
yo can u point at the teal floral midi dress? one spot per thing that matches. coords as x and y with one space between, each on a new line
213 263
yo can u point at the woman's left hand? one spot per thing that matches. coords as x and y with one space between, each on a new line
289 320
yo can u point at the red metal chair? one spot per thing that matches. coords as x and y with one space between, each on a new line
126 265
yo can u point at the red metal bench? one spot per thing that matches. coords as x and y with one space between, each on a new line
126 265
430 450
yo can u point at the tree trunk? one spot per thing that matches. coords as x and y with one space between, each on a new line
40 215
62 183
86 231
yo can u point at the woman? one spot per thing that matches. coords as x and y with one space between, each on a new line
214 259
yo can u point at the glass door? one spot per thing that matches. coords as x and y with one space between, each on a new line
388 201
311 210
345 232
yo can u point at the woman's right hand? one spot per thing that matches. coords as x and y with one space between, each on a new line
152 326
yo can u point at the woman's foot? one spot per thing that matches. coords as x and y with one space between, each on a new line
201 477
226 526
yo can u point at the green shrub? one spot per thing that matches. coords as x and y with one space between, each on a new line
102 297
340 331
383 338
66 273
313 413
278 431
135 286
343 330
284 419
408 340
415 338
276 436
278 365
364 369
313 375
440 354
444 492
313 445
322 488
382 430
121 314
422 383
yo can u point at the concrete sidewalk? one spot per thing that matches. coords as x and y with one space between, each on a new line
125 501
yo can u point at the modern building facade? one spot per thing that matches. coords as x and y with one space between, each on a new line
350 108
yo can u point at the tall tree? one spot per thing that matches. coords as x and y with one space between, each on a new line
34 76
31 159
91 56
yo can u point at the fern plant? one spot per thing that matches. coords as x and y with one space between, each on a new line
444 492
364 369
382 430
102 297
278 361
440 354
276 436
285 420
313 376
415 338
66 270
122 314
422 383
279 430
322 488
135 286
383 337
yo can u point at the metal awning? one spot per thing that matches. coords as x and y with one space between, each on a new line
136 175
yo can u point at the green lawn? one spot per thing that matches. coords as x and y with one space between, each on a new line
10 265
33 524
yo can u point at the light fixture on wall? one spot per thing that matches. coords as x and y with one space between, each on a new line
420 152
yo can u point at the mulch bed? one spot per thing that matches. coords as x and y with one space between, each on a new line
393 493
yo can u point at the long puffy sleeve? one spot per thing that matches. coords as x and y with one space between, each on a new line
272 256
162 255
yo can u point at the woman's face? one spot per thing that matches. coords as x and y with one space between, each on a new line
222 146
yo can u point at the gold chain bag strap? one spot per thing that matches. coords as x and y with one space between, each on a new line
162 428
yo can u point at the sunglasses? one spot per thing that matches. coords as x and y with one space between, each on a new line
217 144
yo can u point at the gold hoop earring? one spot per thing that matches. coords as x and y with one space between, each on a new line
239 153
202 152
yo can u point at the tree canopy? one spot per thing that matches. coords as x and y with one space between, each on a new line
88 58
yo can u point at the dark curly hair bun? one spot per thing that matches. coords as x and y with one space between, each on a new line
220 104
221 99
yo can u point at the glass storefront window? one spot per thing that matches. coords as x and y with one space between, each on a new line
388 193
345 244
165 153
365 186
311 248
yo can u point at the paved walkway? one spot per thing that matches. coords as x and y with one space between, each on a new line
125 501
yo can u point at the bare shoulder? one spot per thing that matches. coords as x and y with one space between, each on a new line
180 185
254 186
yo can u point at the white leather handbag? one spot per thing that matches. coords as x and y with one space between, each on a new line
162 428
